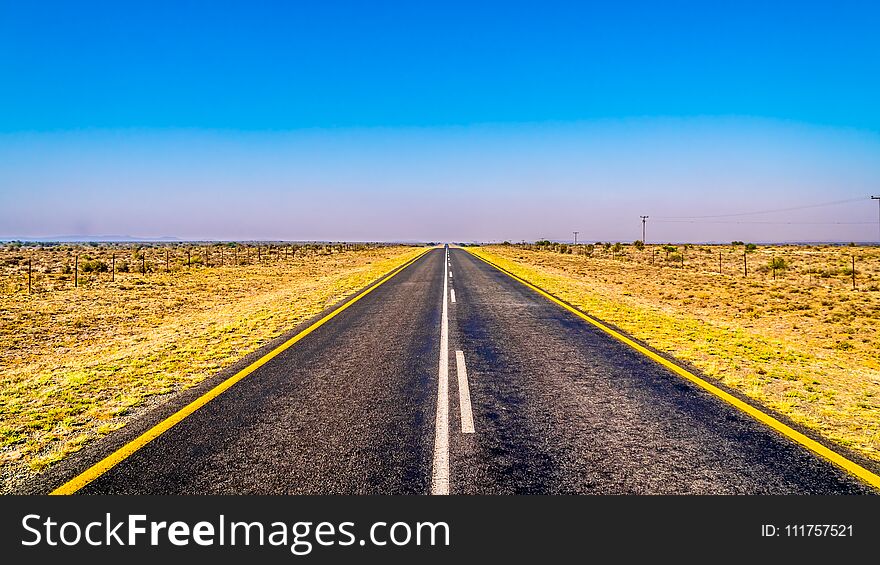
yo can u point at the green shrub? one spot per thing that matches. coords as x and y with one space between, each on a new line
95 266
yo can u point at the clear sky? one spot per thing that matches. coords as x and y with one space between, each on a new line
444 121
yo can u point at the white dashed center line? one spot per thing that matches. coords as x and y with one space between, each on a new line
440 473
452 295
464 395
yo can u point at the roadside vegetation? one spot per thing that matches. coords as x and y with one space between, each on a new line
79 358
794 327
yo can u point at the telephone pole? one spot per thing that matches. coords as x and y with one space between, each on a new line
576 237
877 198
644 219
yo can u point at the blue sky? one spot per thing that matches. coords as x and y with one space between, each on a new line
385 121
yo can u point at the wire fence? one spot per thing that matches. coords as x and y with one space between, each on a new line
45 267
856 267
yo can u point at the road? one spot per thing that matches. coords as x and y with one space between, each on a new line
366 404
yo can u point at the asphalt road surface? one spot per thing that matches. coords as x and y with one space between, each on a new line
454 378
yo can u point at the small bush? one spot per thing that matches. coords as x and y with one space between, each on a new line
94 267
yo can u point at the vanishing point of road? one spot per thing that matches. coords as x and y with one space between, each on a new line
453 377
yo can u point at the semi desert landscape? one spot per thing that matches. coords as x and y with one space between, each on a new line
81 357
93 334
803 340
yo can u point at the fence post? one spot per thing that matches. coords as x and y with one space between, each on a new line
166 259
113 267
719 261
854 271
188 262
29 275
75 271
745 264
144 262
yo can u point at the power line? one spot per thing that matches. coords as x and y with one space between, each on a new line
789 209
765 223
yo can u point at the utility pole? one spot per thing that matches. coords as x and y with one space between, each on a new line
854 271
644 219
576 237
877 198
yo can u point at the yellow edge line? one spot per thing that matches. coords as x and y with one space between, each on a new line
131 447
811 444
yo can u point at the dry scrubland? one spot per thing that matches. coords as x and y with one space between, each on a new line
805 344
77 363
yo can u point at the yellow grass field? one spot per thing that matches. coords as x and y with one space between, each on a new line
805 344
78 363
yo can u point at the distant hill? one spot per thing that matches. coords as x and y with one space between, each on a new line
90 238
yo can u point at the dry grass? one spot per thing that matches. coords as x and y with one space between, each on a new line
76 362
805 344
